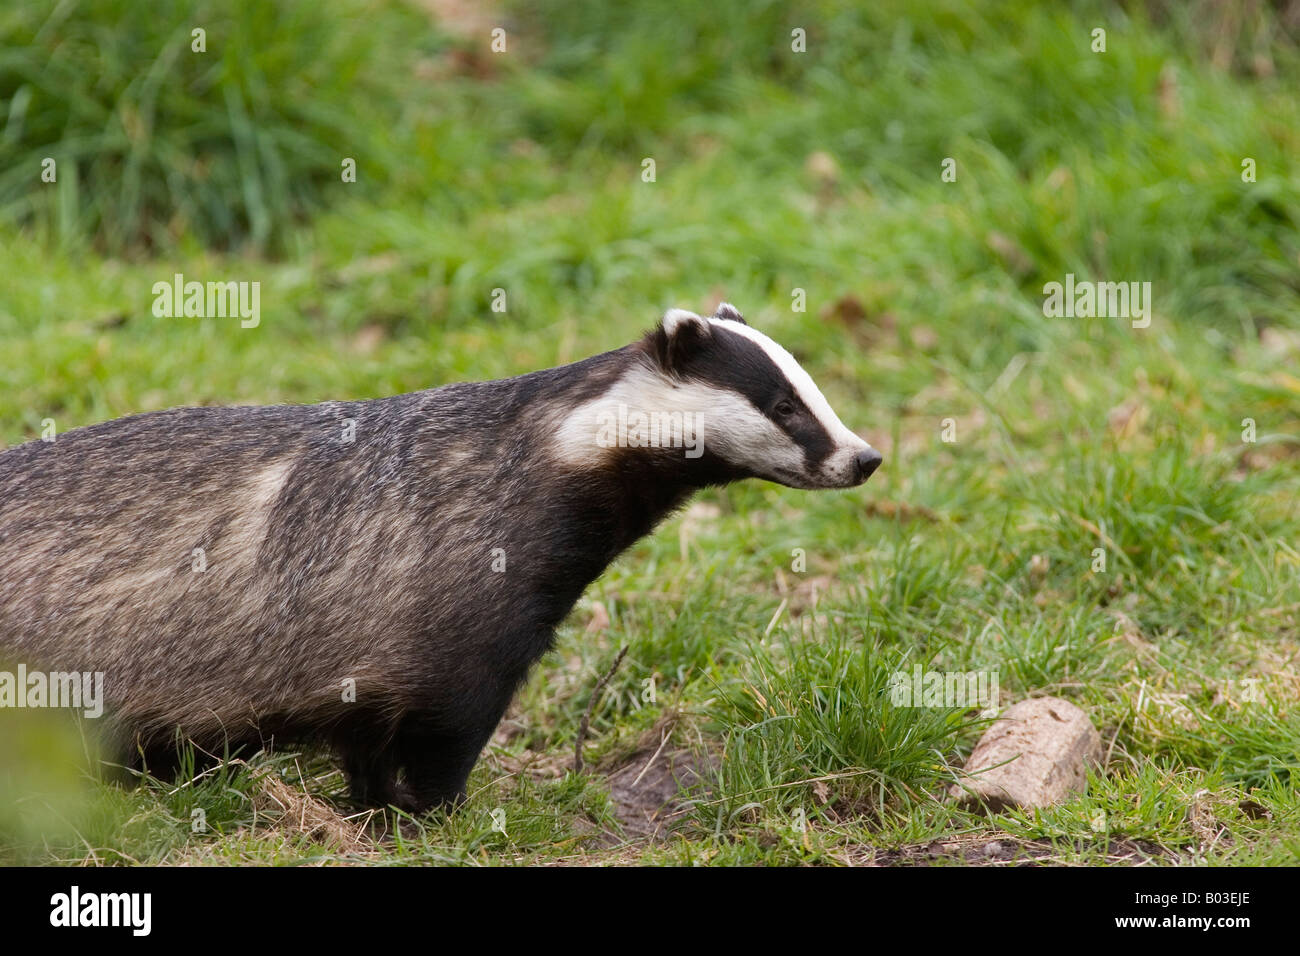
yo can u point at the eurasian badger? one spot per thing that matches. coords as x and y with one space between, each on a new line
233 571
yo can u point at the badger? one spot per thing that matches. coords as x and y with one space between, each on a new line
378 576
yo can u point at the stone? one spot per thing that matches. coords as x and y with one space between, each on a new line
1035 755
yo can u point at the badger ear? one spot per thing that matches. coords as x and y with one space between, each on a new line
679 335
682 322
729 312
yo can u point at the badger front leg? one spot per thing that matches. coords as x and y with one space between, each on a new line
437 759
369 754
372 777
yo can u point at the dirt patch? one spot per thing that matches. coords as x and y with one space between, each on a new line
901 511
653 791
1003 851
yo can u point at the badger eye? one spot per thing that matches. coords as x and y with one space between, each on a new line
785 408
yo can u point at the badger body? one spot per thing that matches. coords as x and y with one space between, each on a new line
377 575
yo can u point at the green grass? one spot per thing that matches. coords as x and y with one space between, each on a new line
159 133
776 172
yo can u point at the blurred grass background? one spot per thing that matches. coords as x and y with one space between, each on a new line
776 171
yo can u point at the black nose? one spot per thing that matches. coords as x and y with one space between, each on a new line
866 462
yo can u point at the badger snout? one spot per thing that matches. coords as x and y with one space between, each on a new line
866 462
848 469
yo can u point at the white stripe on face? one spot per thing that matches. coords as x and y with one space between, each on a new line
738 433
726 423
804 386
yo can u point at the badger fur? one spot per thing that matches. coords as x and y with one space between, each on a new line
421 548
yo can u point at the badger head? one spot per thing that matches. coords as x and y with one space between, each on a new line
762 414
757 413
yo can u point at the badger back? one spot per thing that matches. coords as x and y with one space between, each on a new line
227 562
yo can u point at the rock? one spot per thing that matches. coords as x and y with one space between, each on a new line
1043 745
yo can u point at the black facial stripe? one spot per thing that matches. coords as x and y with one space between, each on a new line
730 361
809 434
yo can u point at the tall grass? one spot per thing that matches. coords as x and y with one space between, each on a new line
155 141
